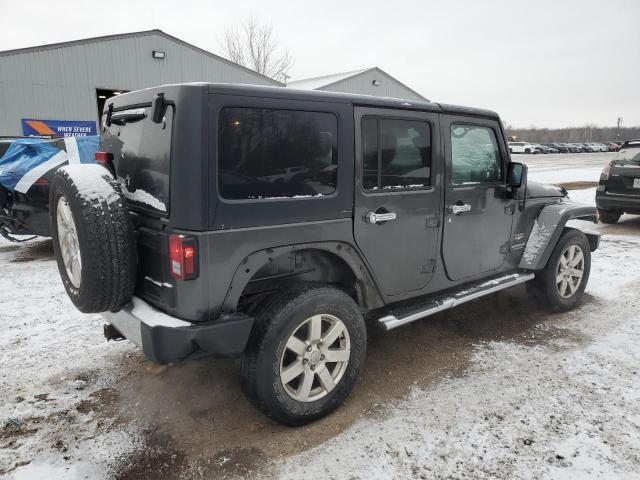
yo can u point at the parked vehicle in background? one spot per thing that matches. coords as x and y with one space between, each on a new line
613 147
27 166
521 147
573 148
619 188
559 147
600 147
588 148
403 210
577 147
543 148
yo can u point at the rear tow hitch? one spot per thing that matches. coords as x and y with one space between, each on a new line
112 333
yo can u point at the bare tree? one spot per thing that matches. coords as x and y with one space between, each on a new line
253 45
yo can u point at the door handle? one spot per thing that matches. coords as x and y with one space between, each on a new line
457 209
373 217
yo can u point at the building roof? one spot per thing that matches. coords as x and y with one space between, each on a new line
326 81
314 83
143 33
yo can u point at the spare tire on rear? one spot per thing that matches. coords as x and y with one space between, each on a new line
93 238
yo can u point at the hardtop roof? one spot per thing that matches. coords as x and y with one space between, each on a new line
312 95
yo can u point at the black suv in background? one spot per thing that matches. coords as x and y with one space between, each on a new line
619 188
277 226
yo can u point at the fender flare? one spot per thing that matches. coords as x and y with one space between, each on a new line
368 291
549 226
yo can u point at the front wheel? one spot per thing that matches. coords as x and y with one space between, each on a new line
305 353
565 276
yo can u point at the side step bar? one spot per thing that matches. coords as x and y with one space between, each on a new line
409 314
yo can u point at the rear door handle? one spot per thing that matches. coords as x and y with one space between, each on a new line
373 217
457 209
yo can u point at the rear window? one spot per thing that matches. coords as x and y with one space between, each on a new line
268 153
396 154
142 157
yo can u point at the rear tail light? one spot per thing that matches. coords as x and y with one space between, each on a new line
106 160
605 173
183 253
104 157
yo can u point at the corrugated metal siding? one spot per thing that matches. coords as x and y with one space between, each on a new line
363 84
61 83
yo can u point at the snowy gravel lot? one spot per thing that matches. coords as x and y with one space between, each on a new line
496 389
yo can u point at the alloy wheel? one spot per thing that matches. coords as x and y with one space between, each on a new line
570 271
315 358
68 242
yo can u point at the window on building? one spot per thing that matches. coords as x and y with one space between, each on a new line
475 157
267 153
396 154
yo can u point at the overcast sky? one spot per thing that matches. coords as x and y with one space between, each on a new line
547 63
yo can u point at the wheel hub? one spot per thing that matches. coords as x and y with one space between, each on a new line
570 271
315 358
68 242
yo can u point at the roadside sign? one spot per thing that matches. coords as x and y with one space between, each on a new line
63 128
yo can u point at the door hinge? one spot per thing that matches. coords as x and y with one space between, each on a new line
433 221
510 209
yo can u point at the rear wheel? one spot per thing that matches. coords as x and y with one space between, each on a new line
608 216
305 353
565 276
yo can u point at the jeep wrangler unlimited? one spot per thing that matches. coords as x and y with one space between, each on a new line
276 225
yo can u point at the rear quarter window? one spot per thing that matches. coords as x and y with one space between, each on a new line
270 153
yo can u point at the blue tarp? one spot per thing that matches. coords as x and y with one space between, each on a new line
27 159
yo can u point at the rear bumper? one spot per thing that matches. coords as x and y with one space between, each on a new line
166 339
616 201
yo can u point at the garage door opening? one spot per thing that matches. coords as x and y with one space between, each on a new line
103 94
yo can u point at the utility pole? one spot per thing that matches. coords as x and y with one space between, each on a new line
619 124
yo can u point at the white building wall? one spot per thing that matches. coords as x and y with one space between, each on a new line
363 84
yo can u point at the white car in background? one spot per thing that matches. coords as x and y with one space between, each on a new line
521 147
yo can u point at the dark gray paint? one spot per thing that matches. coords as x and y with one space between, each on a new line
486 228
401 252
245 244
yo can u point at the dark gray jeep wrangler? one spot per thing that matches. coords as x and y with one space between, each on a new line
275 225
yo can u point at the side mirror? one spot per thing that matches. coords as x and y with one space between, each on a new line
516 175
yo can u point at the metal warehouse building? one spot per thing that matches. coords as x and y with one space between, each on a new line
369 81
60 88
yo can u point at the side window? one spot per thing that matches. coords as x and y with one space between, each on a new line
396 154
475 157
267 153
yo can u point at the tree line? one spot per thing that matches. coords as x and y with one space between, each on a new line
587 133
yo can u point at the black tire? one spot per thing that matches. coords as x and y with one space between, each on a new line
105 237
527 150
546 280
608 216
277 320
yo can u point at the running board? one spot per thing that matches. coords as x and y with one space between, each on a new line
402 316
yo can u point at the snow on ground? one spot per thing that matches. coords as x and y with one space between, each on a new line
55 367
569 409
566 406
565 168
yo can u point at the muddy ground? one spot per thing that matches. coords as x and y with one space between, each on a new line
74 406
